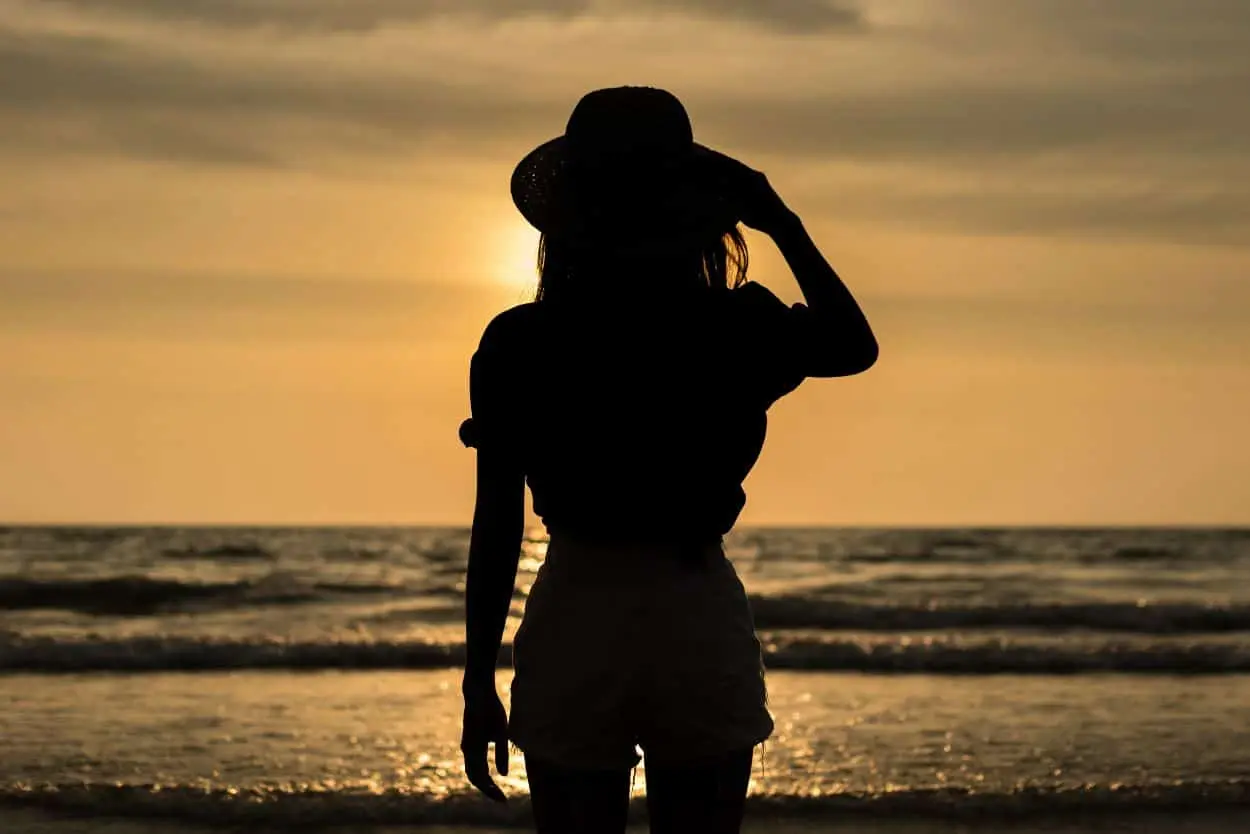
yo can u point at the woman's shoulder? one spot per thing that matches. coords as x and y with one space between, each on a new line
756 306
511 328
753 295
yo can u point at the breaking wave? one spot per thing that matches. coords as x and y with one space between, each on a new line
137 595
141 595
229 552
158 654
1150 618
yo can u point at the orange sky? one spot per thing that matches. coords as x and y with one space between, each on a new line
247 247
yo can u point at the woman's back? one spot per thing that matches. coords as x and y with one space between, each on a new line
635 420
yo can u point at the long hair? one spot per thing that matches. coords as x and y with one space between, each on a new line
563 270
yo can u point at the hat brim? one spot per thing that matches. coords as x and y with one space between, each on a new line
693 207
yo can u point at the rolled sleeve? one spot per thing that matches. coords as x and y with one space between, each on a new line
779 336
494 392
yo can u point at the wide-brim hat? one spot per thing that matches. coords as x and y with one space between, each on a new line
626 174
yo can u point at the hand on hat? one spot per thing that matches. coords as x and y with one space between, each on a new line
758 205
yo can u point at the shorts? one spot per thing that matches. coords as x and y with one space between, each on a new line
636 645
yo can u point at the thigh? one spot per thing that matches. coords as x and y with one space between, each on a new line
705 795
569 800
703 691
572 681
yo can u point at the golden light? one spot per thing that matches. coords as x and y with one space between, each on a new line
517 256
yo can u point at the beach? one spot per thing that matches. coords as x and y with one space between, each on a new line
920 681
379 748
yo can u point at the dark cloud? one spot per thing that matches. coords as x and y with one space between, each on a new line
157 103
1178 109
358 15
1008 205
1143 32
996 117
88 92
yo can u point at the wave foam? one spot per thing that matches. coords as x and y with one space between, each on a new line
1150 618
291 807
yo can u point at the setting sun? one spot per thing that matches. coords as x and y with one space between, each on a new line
516 264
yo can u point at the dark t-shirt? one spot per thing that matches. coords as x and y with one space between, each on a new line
634 422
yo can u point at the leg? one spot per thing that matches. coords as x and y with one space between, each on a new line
706 796
574 801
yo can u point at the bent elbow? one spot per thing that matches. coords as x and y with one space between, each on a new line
848 359
866 356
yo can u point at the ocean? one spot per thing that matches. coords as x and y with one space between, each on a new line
162 679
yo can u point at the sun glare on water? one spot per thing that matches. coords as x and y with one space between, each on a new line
517 257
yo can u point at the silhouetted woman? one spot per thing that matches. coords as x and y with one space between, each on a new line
632 396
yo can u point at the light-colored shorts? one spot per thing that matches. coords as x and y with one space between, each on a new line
625 645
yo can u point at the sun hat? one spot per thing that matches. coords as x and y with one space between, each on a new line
626 173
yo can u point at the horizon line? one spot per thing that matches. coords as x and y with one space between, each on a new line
337 525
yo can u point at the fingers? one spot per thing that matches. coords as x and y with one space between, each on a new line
485 723
478 773
501 754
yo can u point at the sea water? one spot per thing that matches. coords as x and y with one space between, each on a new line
947 679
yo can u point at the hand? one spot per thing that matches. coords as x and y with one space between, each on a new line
485 721
757 203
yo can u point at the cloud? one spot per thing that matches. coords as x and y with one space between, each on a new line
987 93
993 119
152 101
84 92
1070 206
362 15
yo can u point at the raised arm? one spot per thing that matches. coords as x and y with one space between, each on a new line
842 342
838 340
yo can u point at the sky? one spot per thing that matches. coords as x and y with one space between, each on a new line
248 246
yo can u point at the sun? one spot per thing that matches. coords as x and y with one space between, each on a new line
516 256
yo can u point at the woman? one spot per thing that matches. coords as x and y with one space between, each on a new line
632 395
